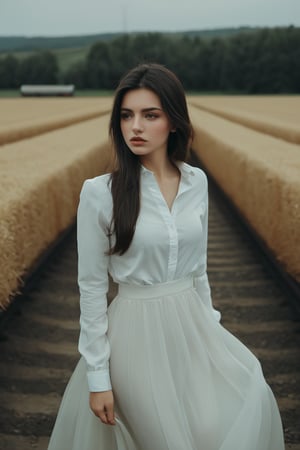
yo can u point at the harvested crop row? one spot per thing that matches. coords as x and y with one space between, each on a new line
278 116
40 183
25 118
261 176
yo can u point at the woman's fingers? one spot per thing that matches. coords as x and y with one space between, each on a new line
102 405
110 414
102 416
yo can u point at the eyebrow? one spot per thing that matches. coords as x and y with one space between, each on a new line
153 108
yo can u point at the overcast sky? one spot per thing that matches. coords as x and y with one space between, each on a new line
73 17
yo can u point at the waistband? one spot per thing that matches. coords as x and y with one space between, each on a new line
144 291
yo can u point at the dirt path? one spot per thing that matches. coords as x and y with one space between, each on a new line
39 343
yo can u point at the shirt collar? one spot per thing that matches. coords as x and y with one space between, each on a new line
186 170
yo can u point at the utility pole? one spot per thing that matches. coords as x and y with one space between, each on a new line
124 18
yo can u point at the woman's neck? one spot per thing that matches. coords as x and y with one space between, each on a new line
161 166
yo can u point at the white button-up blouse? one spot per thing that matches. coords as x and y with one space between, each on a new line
167 245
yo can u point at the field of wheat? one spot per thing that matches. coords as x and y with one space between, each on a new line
27 117
258 166
278 116
41 178
250 145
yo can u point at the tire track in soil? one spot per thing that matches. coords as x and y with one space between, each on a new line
39 341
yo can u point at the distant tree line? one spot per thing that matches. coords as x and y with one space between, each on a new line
38 68
264 61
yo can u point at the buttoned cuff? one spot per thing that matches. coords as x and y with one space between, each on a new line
99 381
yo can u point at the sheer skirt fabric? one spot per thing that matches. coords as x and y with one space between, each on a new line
180 380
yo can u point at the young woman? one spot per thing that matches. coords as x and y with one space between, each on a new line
158 371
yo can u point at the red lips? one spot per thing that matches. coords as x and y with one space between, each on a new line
137 139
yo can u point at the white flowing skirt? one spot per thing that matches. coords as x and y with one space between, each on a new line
180 380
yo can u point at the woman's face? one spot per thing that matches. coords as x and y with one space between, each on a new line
144 125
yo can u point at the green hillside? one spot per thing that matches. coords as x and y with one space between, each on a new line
66 57
262 60
72 49
23 44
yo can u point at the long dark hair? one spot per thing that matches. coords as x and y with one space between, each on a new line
125 179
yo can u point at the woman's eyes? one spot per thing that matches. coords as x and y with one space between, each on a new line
148 116
125 115
151 116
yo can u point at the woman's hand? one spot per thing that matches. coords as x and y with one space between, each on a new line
102 405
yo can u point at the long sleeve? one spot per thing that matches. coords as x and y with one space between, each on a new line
93 286
201 282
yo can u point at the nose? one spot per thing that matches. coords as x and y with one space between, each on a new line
137 125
